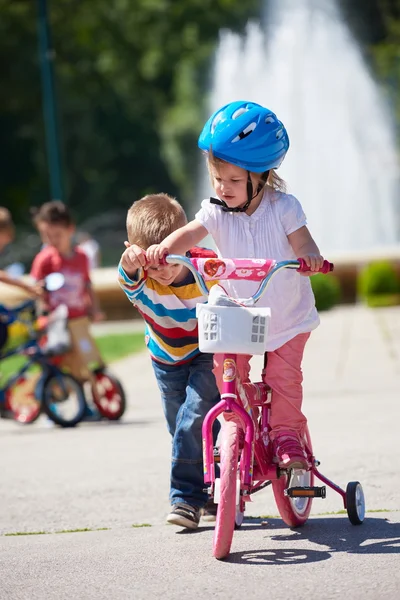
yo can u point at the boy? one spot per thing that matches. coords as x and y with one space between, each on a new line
166 297
6 237
56 228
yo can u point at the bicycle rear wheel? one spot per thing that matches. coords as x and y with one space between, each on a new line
225 523
63 399
294 511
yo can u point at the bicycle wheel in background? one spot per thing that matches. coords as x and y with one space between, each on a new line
21 400
63 399
294 511
228 481
108 395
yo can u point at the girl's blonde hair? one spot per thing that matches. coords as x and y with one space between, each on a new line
273 180
152 218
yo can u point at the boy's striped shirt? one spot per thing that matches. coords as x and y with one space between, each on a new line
169 313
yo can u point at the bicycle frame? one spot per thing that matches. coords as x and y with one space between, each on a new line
256 443
255 438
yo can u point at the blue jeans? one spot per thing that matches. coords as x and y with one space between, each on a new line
188 392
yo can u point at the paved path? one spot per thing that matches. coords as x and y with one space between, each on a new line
105 475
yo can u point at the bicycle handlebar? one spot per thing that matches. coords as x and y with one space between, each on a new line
327 267
251 269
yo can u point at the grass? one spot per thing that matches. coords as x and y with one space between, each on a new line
26 533
118 345
82 530
18 533
112 347
141 525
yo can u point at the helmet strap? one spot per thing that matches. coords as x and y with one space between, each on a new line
250 195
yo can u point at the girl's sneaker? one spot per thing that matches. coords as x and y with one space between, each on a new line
184 515
289 452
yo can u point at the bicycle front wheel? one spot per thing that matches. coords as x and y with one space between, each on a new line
21 399
226 514
63 399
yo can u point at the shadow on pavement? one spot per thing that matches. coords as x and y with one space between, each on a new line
375 536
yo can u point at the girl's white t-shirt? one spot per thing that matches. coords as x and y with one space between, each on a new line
264 235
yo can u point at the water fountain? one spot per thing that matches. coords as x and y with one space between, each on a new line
343 163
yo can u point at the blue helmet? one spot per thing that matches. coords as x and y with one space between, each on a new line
247 135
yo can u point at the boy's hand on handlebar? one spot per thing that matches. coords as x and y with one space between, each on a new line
133 258
314 262
155 254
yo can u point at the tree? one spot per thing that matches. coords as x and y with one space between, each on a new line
131 76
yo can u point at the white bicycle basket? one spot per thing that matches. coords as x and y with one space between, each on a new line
233 329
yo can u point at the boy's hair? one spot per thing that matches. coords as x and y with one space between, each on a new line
6 222
152 218
273 180
53 213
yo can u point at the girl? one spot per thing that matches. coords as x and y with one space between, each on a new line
252 217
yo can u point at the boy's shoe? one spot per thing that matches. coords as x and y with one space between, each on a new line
288 451
209 512
184 515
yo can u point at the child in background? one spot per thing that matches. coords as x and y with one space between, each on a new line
56 228
6 237
253 217
166 296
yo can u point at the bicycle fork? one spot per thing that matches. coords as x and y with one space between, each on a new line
229 404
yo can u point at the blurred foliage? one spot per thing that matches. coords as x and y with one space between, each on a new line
327 291
131 77
376 24
131 82
379 284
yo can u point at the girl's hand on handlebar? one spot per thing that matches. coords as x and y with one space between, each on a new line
155 254
133 258
314 262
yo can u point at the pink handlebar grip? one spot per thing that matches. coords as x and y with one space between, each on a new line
304 268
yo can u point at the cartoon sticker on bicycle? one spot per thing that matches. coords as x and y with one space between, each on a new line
214 268
229 370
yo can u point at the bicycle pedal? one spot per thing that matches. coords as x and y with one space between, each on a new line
309 492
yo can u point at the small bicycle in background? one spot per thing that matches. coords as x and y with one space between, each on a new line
248 467
102 389
38 384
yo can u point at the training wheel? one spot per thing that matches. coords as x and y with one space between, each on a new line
355 503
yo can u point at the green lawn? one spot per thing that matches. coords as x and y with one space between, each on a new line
112 347
117 345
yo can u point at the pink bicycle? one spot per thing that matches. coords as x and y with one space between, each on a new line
246 460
